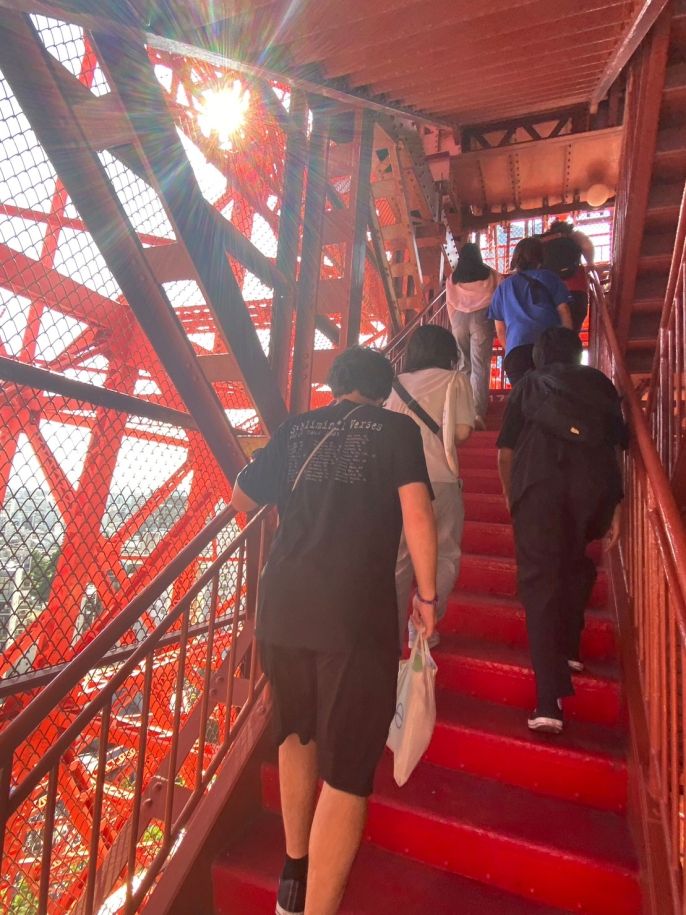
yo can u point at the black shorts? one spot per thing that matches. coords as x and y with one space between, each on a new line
344 701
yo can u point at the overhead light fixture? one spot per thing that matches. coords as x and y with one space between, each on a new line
598 194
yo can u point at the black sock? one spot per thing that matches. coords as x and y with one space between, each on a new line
295 868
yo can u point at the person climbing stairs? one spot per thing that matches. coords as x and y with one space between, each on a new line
495 819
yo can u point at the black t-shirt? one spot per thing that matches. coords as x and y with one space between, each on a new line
329 582
540 455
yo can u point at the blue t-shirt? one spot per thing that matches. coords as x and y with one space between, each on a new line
527 309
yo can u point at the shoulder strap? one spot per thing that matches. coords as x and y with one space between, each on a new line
532 281
318 446
416 408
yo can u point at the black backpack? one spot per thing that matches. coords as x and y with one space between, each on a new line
561 254
567 415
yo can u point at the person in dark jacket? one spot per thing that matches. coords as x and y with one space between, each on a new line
525 304
563 248
562 482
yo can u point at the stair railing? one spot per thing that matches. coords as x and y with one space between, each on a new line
651 585
436 312
186 678
666 407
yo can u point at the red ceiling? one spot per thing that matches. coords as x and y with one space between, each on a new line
464 60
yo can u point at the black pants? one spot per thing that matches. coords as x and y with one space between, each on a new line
578 308
518 362
553 522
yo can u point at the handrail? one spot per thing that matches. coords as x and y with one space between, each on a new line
649 583
35 711
675 270
418 319
194 681
665 506
69 675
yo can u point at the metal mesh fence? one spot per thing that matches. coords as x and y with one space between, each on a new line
95 501
173 704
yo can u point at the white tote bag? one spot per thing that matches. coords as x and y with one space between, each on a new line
415 712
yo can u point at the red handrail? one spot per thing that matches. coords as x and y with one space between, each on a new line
665 504
651 592
217 682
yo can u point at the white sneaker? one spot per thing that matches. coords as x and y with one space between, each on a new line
546 724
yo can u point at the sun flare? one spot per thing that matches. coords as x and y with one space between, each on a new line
223 113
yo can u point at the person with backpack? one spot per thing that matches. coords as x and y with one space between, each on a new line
525 304
557 459
468 294
439 399
563 248
347 479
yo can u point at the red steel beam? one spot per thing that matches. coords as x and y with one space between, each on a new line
43 380
35 280
197 224
26 66
289 238
356 250
310 267
642 21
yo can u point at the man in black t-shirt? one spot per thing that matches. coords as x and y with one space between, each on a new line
346 479
561 478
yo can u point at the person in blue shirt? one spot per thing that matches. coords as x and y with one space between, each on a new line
525 304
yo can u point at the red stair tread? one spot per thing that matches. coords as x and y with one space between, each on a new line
496 538
481 481
557 852
503 604
381 882
463 646
498 575
486 507
480 441
586 764
485 458
499 618
502 673
583 738
564 827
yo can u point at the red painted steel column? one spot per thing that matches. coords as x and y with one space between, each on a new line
310 267
359 206
289 237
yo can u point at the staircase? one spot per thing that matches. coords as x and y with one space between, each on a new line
495 819
664 198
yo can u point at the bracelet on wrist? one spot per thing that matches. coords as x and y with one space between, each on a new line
423 600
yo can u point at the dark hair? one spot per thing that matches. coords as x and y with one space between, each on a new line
361 369
431 347
528 255
560 225
557 344
470 265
